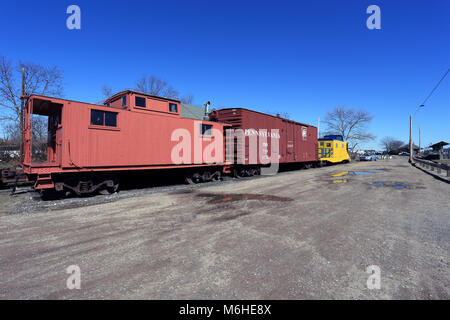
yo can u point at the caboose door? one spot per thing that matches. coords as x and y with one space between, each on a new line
54 136
290 145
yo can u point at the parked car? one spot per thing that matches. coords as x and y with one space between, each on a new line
368 157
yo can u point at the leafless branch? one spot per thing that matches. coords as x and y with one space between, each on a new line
159 87
188 99
106 91
391 144
350 123
38 80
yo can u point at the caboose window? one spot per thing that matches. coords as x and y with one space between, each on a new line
140 102
97 117
124 101
110 119
173 107
103 118
205 129
328 145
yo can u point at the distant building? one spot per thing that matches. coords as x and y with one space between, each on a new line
437 151
439 146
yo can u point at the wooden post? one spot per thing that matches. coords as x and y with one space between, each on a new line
21 115
410 140
419 140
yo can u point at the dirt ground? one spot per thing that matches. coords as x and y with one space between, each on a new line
307 234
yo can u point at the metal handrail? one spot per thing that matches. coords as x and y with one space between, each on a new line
431 164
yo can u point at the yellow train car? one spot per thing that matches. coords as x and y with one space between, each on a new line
333 149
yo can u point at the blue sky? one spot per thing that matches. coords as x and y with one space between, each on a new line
300 57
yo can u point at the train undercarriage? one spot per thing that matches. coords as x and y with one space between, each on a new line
104 183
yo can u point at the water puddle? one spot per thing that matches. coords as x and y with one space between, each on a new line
344 173
340 181
339 174
361 172
396 185
231 197
399 185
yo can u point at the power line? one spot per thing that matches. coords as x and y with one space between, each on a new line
435 87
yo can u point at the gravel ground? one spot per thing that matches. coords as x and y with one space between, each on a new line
307 234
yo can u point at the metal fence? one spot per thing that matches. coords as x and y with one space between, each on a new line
433 166
12 152
9 152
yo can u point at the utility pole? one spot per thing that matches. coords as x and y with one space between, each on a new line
419 140
318 128
21 115
410 140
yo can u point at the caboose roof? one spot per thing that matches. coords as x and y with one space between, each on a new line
121 93
192 112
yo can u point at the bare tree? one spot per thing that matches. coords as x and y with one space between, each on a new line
391 144
188 99
350 123
156 86
38 80
40 137
11 131
106 91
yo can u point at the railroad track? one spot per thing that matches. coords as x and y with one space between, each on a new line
3 191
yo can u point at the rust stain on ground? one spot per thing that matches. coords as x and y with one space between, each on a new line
231 197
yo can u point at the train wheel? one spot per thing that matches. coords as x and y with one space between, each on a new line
109 190
197 178
206 176
193 178
105 189
217 176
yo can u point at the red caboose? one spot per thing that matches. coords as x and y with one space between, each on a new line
88 144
